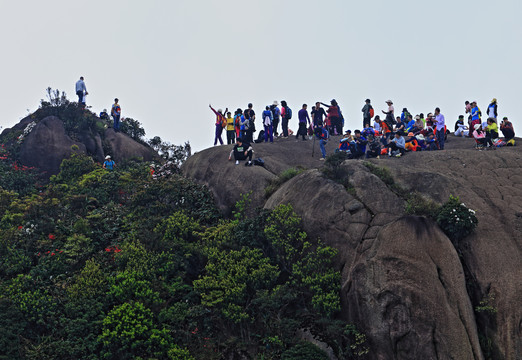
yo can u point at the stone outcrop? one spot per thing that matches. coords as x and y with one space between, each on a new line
47 144
403 282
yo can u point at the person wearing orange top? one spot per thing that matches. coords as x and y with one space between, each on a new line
220 123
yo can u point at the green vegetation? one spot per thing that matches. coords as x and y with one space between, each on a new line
120 264
334 170
420 205
281 179
456 220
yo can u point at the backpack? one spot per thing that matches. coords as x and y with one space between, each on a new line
372 112
511 142
260 137
288 113
259 162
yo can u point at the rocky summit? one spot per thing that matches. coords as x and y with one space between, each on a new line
415 293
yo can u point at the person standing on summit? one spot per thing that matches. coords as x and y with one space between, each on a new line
81 89
367 116
115 113
441 128
303 118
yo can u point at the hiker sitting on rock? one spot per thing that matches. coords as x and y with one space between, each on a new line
358 146
242 151
396 147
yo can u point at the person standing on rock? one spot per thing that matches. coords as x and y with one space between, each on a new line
322 134
367 116
389 114
109 164
116 113
317 115
276 113
286 115
335 117
441 128
221 122
231 133
268 119
242 151
303 118
250 115
81 89
493 109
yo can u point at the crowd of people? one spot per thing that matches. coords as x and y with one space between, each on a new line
392 135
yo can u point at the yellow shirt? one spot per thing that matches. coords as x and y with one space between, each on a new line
230 124
492 127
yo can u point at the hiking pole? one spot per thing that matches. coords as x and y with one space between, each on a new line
313 145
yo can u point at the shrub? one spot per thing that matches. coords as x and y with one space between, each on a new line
281 179
381 172
456 220
335 171
418 204
304 351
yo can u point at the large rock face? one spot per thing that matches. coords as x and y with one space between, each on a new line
403 281
47 144
124 147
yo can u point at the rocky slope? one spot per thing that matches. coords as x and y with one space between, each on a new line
44 143
404 282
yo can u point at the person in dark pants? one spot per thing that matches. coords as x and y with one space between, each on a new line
367 118
242 151
116 112
334 114
303 118
317 115
250 115
81 90
285 116
277 115
441 128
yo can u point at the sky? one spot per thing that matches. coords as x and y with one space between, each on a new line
166 60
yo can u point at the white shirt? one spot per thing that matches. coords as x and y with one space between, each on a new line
80 86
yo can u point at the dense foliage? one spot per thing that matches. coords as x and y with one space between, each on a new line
125 265
456 219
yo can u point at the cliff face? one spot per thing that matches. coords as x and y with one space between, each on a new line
404 282
45 143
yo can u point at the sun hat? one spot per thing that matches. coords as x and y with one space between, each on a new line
410 134
276 103
420 137
477 126
389 101
220 111
417 117
494 100
107 157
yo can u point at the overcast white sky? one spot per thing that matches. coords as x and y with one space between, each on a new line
166 60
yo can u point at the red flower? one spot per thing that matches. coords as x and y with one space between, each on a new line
52 254
195 331
61 251
39 254
108 249
20 227
52 237
48 252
